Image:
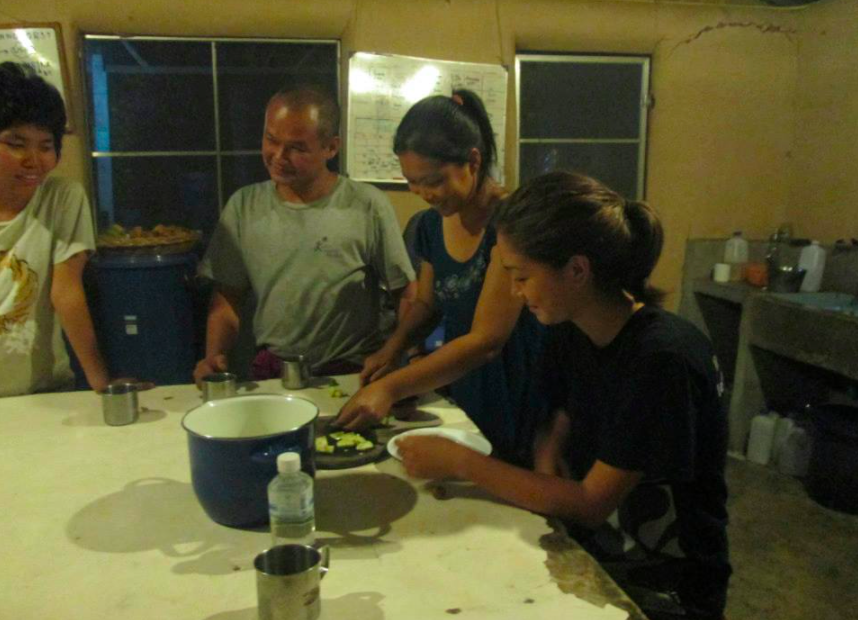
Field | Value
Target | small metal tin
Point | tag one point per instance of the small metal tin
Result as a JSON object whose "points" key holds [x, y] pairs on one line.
{"points": [[219, 385], [296, 372], [119, 404]]}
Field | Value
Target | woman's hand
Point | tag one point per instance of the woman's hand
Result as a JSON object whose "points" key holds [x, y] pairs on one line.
{"points": [[368, 406], [550, 447], [548, 458], [432, 457], [378, 364]]}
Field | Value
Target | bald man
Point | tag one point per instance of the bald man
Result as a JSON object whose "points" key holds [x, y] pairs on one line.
{"points": [[312, 246]]}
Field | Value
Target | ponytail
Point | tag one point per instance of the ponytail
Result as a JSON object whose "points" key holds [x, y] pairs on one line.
{"points": [[447, 129], [561, 214], [647, 240], [473, 106]]}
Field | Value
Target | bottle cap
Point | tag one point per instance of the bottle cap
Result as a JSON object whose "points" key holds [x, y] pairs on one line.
{"points": [[288, 462]]}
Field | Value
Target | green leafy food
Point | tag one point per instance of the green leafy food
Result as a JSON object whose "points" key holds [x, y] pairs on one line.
{"points": [[343, 442]]}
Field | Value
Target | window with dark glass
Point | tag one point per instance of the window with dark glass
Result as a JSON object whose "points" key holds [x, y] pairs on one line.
{"points": [[175, 124], [585, 113]]}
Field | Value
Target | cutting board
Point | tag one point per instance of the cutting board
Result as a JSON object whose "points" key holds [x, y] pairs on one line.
{"points": [[402, 420]]}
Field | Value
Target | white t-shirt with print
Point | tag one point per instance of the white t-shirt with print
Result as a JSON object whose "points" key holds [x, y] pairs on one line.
{"points": [[54, 226]]}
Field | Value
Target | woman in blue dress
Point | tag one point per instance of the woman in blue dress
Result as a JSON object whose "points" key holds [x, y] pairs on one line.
{"points": [[446, 149]]}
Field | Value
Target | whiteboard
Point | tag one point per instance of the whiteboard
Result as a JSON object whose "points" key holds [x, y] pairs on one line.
{"points": [[40, 47], [383, 87]]}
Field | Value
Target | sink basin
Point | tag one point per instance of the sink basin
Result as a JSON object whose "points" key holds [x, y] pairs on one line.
{"points": [[825, 300]]}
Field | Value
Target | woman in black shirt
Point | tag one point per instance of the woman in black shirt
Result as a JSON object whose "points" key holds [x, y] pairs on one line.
{"points": [[633, 456]]}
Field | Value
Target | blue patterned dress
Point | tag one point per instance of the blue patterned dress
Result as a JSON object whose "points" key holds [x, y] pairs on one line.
{"points": [[500, 396]]}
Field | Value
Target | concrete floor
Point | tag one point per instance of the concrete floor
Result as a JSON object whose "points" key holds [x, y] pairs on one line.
{"points": [[792, 559]]}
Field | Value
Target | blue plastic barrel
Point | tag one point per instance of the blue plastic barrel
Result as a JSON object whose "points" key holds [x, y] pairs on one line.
{"points": [[144, 315]]}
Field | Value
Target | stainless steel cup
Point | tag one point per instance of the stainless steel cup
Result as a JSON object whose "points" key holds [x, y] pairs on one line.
{"points": [[119, 404], [296, 372], [219, 385], [287, 582]]}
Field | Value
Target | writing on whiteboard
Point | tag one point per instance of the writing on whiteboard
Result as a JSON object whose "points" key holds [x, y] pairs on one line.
{"points": [[383, 87]]}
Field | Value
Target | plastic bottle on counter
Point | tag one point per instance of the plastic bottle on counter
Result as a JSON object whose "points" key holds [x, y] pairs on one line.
{"points": [[736, 255], [291, 507], [762, 438], [794, 456], [783, 427], [812, 258]]}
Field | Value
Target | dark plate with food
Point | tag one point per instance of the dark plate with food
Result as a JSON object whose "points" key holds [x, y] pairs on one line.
{"points": [[337, 448]]}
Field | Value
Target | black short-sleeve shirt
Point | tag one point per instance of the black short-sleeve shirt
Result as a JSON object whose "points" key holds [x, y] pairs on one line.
{"points": [[650, 401]]}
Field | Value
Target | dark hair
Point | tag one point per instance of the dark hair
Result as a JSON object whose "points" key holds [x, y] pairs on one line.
{"points": [[304, 96], [27, 99], [441, 128], [558, 215]]}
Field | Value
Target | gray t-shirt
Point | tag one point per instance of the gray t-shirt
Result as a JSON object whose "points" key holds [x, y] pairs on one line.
{"points": [[315, 269]]}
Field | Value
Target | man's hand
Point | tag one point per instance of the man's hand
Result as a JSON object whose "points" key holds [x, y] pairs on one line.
{"points": [[368, 406], [431, 457], [98, 381], [209, 365]]}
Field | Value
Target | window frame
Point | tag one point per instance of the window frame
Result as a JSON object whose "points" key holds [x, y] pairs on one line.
{"points": [[218, 153], [645, 62]]}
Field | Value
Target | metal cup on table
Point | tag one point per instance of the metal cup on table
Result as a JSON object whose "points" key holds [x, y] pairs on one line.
{"points": [[296, 372], [119, 404], [287, 582], [219, 385]]}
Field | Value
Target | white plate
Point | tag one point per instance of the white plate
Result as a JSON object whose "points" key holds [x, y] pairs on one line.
{"points": [[470, 440]]}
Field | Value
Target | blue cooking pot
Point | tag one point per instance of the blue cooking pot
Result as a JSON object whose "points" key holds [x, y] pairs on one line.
{"points": [[233, 445]]}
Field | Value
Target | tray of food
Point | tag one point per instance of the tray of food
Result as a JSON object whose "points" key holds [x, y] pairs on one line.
{"points": [[336, 448], [339, 449], [160, 239]]}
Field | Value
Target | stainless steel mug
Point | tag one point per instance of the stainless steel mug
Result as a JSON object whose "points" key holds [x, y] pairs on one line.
{"points": [[287, 582], [219, 385], [296, 372], [119, 404]]}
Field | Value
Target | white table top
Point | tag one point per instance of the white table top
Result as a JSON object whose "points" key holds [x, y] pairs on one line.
{"points": [[102, 522]]}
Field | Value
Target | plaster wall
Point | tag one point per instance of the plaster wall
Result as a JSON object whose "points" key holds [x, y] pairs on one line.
{"points": [[824, 164], [722, 130]]}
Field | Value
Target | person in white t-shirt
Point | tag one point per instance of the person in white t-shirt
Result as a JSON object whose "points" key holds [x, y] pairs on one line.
{"points": [[46, 234]]}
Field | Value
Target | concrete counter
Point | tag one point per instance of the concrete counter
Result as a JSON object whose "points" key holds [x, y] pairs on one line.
{"points": [[102, 522]]}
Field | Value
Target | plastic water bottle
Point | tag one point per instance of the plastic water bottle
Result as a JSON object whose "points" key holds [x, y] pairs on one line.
{"points": [[795, 454], [812, 258], [783, 427], [736, 254], [291, 509], [762, 438]]}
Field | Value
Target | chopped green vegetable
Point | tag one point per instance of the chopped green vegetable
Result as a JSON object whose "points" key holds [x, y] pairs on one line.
{"points": [[322, 445], [343, 441]]}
